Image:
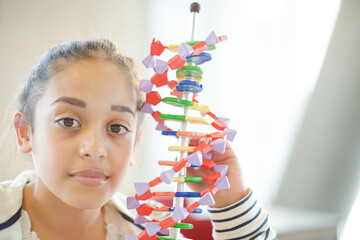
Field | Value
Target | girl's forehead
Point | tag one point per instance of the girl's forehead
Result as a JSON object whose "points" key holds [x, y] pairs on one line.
{"points": [[97, 81]]}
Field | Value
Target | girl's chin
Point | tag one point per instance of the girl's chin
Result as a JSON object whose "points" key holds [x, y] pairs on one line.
{"points": [[85, 198], [86, 204]]}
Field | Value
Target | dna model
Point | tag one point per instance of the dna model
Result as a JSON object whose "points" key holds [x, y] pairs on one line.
{"points": [[188, 56]]}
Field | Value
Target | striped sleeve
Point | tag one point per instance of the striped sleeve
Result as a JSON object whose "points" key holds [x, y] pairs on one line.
{"points": [[244, 219]]}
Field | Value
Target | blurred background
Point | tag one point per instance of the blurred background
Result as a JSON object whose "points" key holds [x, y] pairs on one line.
{"points": [[288, 78]]}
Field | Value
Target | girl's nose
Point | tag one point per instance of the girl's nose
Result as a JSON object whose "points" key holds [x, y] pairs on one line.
{"points": [[93, 148]]}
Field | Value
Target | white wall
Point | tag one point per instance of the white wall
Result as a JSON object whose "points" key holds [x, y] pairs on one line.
{"points": [[323, 171]]}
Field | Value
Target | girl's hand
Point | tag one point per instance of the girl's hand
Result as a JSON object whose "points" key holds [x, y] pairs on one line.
{"points": [[237, 189]]}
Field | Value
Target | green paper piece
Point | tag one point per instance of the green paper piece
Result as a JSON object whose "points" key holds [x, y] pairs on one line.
{"points": [[183, 226], [189, 71], [177, 102], [172, 117], [193, 179], [209, 47]]}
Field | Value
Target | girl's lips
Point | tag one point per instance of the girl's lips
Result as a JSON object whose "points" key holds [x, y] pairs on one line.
{"points": [[90, 177], [96, 173]]}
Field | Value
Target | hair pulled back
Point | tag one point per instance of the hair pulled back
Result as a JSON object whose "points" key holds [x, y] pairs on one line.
{"points": [[62, 55]]}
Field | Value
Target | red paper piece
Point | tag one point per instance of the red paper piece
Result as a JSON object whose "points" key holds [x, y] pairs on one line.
{"points": [[199, 48], [176, 93], [156, 116], [213, 189], [176, 62], [145, 196], [144, 209], [144, 236], [219, 125], [156, 48], [172, 83], [160, 79], [153, 98], [208, 164], [212, 177], [204, 148], [223, 38]]}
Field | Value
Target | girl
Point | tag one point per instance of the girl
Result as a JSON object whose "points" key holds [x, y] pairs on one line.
{"points": [[78, 117]]}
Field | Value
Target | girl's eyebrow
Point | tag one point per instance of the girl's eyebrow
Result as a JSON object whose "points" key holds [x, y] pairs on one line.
{"points": [[82, 104], [122, 108], [70, 100]]}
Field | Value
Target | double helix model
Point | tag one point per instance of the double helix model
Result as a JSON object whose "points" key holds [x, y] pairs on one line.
{"points": [[189, 55]]}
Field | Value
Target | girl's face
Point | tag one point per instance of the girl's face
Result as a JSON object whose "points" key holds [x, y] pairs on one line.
{"points": [[84, 121]]}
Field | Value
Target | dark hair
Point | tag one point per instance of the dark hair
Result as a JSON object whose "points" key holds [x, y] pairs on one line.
{"points": [[66, 53]]}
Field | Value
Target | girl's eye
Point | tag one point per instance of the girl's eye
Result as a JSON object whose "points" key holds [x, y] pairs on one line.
{"points": [[118, 129], [69, 123]]}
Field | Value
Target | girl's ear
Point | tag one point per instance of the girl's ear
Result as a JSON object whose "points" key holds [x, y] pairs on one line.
{"points": [[22, 132]]}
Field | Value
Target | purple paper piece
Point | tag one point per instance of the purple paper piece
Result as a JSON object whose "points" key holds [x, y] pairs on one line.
{"points": [[141, 188], [146, 108], [131, 237], [167, 176], [222, 183], [218, 145], [223, 169], [146, 86], [165, 232], [148, 61], [132, 203], [152, 228], [161, 127], [212, 39], [160, 66], [202, 114], [207, 199], [208, 155], [140, 219], [195, 158], [185, 49], [230, 134], [179, 213], [224, 120]]}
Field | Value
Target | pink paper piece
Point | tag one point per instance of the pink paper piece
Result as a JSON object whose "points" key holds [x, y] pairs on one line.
{"points": [[218, 145], [140, 219], [152, 228], [161, 127], [222, 183], [208, 155], [195, 158], [160, 66], [212, 39], [230, 134], [146, 108], [165, 232], [224, 120], [223, 169], [132, 203], [185, 49], [146, 86], [131, 237], [167, 176], [207, 199], [141, 188], [149, 61], [179, 213]]}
